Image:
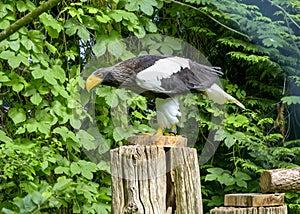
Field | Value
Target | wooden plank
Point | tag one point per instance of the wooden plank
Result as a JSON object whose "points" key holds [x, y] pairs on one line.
{"points": [[280, 180], [250, 210], [158, 140], [253, 199]]}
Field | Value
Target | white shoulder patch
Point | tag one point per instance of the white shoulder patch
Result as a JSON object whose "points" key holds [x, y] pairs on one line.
{"points": [[150, 78], [164, 68]]}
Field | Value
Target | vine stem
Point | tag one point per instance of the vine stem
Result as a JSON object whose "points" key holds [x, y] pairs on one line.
{"points": [[27, 19], [212, 18]]}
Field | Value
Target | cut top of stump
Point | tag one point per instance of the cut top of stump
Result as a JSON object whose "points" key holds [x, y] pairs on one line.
{"points": [[155, 140], [254, 200]]}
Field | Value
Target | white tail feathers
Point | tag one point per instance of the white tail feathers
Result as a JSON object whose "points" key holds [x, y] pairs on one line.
{"points": [[218, 95]]}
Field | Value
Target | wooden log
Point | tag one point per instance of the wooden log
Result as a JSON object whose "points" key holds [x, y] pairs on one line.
{"points": [[253, 200], [158, 140], [144, 177], [185, 176], [280, 180], [249, 210]]}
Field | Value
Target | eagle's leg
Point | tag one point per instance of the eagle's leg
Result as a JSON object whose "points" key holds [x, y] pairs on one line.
{"points": [[173, 130], [159, 131]]}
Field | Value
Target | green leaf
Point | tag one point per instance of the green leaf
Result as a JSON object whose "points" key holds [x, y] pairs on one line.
{"points": [[226, 179], [61, 170], [220, 135], [87, 168], [290, 100], [4, 138], [238, 120], [21, 6], [83, 33], [4, 24], [50, 77], [211, 177], [241, 183], [229, 140], [71, 26], [44, 127], [76, 123], [145, 6], [65, 133], [30, 5], [86, 140], [15, 45], [216, 170], [242, 176], [51, 48], [18, 115], [37, 72], [3, 77], [36, 99], [62, 184], [116, 48], [103, 18], [100, 47], [52, 26], [75, 168], [7, 55]]}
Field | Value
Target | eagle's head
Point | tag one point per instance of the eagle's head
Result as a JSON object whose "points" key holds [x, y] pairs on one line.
{"points": [[97, 77]]}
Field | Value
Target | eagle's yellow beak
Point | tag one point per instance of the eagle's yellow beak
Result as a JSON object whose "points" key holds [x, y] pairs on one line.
{"points": [[92, 81]]}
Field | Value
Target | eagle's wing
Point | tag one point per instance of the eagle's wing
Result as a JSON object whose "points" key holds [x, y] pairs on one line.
{"points": [[175, 75]]}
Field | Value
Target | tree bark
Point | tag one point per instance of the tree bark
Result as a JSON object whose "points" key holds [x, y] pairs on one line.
{"points": [[280, 180], [155, 179], [249, 210], [27, 19], [253, 200]]}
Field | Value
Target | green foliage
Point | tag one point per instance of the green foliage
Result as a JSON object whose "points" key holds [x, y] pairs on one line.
{"points": [[42, 142], [52, 151]]}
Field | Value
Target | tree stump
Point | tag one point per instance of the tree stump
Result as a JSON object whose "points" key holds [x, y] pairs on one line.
{"points": [[280, 180], [252, 203], [250, 210], [253, 200], [155, 179]]}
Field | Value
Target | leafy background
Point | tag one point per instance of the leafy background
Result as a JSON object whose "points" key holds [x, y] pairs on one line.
{"points": [[45, 167]]}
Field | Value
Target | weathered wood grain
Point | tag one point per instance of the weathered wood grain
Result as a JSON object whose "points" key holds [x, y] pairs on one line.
{"points": [[158, 140], [253, 200], [185, 176], [280, 180], [143, 178], [138, 179], [250, 210]]}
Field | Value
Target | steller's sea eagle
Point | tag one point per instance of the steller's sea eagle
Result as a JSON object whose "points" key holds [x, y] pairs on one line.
{"points": [[163, 78]]}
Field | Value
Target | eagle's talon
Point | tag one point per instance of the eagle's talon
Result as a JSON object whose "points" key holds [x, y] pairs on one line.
{"points": [[171, 133]]}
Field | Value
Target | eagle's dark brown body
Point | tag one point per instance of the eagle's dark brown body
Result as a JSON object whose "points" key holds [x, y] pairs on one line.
{"points": [[184, 80]]}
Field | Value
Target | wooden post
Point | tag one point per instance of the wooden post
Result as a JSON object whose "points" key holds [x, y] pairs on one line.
{"points": [[280, 180], [155, 179]]}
